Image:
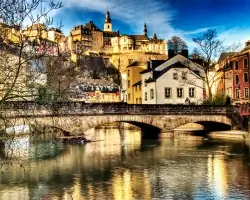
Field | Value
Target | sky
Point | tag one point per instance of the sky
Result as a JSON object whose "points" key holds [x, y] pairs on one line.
{"points": [[166, 18]]}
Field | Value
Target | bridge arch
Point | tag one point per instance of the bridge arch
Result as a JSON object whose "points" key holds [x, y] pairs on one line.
{"points": [[152, 123]]}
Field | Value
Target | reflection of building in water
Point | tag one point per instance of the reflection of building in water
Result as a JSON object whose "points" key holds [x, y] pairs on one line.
{"points": [[217, 175], [17, 148]]}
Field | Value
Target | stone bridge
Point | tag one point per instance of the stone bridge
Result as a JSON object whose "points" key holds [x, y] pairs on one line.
{"points": [[77, 117]]}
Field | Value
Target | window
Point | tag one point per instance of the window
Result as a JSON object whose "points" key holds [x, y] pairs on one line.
{"points": [[136, 88], [139, 100], [237, 93], [136, 100], [175, 76], [246, 77], [184, 75], [128, 83], [146, 96], [145, 84], [139, 87], [237, 79], [180, 92], [167, 93], [245, 63], [151, 93], [128, 73], [246, 93], [236, 65], [191, 92], [128, 97]]}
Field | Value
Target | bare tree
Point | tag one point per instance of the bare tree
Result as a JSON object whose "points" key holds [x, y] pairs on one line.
{"points": [[196, 54], [177, 44], [210, 48], [23, 24]]}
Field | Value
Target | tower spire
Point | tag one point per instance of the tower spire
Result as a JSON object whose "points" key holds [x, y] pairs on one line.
{"points": [[107, 19], [145, 31], [108, 22]]}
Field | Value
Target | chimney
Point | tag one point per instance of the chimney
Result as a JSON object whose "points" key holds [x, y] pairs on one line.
{"points": [[247, 43], [184, 52], [171, 53]]}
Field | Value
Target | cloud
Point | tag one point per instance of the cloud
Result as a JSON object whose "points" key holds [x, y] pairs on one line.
{"points": [[235, 35], [156, 14]]}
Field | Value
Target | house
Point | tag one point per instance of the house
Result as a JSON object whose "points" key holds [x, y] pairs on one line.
{"points": [[223, 79], [134, 82], [172, 82], [240, 76]]}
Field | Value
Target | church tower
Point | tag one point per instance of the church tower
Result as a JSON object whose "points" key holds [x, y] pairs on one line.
{"points": [[145, 31], [108, 23]]}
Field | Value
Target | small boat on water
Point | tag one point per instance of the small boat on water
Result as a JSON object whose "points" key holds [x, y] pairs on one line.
{"points": [[73, 139]]}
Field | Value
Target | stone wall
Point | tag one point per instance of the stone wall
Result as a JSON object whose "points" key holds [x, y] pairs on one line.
{"points": [[121, 61]]}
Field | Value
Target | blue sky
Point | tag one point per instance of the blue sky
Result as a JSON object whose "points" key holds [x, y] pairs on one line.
{"points": [[184, 18]]}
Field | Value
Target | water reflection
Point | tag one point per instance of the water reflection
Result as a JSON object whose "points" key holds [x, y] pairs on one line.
{"points": [[119, 165]]}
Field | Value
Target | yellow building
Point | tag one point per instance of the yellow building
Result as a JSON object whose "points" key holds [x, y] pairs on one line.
{"points": [[40, 31], [80, 39], [138, 43], [10, 33], [36, 31], [134, 94], [55, 35]]}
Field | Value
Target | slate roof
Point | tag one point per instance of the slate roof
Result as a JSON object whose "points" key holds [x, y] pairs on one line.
{"points": [[138, 83], [140, 37], [155, 63], [225, 55], [92, 26], [158, 74]]}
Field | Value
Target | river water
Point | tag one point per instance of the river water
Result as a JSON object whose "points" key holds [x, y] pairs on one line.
{"points": [[120, 165]]}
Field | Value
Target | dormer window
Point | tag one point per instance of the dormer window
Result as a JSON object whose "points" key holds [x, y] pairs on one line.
{"points": [[184, 75], [175, 76]]}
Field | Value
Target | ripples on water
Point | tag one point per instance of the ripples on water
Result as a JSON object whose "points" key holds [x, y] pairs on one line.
{"points": [[122, 166]]}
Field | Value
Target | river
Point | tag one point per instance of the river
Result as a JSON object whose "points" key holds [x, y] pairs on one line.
{"points": [[122, 166]]}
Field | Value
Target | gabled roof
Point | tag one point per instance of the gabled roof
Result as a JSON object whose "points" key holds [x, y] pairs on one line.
{"points": [[179, 58], [154, 63], [158, 74], [225, 55], [92, 26], [140, 37]]}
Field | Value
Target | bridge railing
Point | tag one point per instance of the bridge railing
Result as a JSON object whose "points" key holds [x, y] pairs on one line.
{"points": [[81, 108]]}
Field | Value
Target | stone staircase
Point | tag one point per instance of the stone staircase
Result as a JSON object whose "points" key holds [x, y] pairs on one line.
{"points": [[238, 120]]}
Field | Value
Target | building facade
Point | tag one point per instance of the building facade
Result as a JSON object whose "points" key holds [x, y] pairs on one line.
{"points": [[133, 92], [173, 82]]}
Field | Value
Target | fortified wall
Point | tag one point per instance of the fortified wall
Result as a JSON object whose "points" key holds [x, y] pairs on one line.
{"points": [[122, 60]]}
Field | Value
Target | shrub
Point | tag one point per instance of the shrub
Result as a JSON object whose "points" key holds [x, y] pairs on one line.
{"points": [[217, 99]]}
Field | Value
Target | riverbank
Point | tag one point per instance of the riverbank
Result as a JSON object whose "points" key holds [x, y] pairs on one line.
{"points": [[190, 134], [232, 135]]}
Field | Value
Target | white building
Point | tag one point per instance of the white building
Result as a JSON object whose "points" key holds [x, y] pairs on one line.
{"points": [[173, 82]]}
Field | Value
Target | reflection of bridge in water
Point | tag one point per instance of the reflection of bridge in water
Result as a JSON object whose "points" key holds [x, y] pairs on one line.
{"points": [[77, 117], [82, 169]]}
